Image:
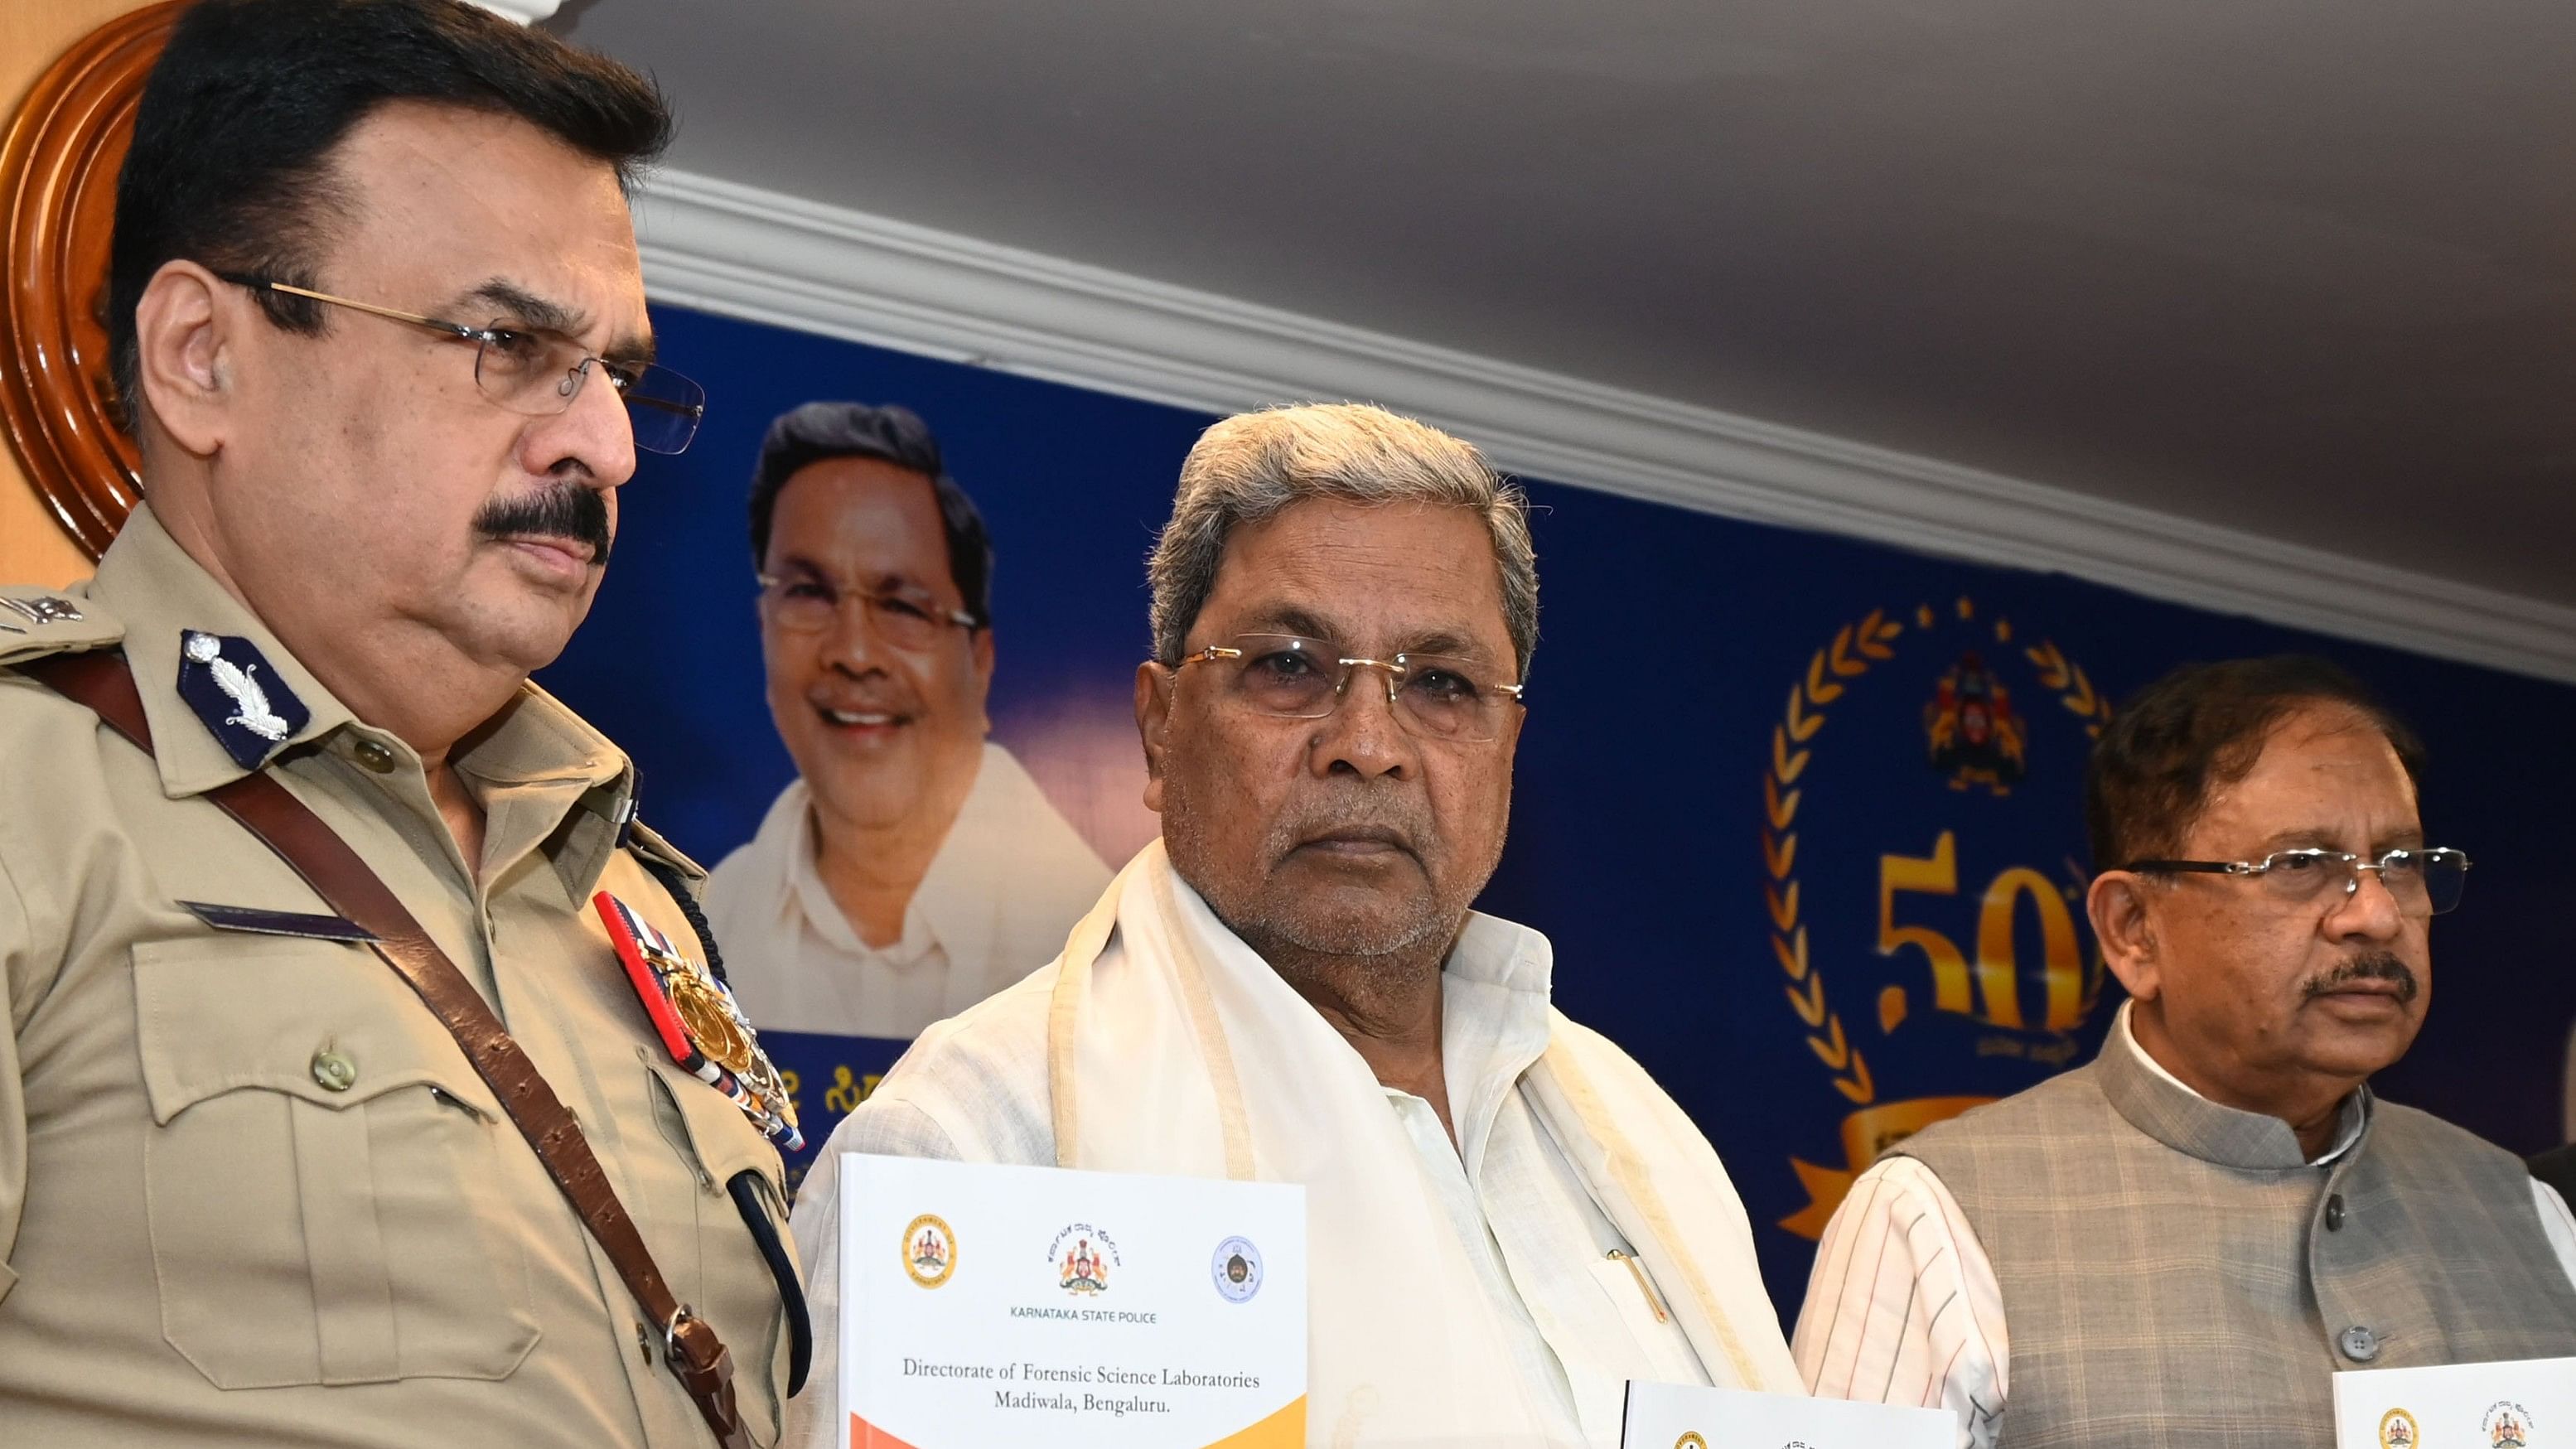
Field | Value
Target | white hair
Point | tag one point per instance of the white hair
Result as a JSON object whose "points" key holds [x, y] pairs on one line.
{"points": [[1251, 466]]}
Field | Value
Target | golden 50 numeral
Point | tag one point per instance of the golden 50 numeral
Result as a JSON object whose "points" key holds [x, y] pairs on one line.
{"points": [[1991, 992]]}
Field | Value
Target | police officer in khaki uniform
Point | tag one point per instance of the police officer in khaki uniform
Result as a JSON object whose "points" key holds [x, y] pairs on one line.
{"points": [[252, 1192]]}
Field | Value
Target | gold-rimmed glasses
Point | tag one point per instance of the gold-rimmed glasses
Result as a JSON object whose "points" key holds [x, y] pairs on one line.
{"points": [[536, 373], [906, 618], [1434, 696], [2425, 880]]}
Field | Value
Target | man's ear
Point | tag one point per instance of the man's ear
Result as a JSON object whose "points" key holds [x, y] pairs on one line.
{"points": [[184, 345], [1154, 684], [980, 652], [2122, 906]]}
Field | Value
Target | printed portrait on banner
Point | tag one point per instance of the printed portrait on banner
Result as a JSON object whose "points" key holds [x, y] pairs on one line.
{"points": [[913, 868], [913, 864]]}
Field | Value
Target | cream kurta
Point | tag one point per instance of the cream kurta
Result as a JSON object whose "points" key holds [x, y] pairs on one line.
{"points": [[1532, 1324], [1008, 881], [208, 1238]]}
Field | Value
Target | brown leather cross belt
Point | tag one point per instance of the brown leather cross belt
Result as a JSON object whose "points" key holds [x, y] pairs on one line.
{"points": [[104, 682]]}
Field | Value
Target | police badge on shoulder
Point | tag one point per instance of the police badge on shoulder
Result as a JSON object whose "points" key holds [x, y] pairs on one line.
{"points": [[698, 1022]]}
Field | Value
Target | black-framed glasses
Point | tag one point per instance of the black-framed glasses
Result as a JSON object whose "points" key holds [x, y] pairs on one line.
{"points": [[906, 618], [1291, 677], [537, 373], [2426, 880]]}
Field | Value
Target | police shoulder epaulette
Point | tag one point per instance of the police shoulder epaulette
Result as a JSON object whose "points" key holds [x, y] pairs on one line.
{"points": [[36, 622], [684, 878], [650, 844]]}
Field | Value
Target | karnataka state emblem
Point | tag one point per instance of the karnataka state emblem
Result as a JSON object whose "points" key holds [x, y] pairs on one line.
{"points": [[929, 1251], [1928, 923], [1083, 1256], [700, 1026], [2397, 1430], [1975, 740], [2507, 1426], [1690, 1439]]}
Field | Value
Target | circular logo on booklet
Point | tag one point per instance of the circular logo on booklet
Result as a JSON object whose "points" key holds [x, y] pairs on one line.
{"points": [[2507, 1425], [2397, 1430], [929, 1251], [1690, 1440], [1236, 1269]]}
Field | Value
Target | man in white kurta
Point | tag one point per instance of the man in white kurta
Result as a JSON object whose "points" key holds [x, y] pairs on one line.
{"points": [[1009, 880], [1508, 1219]]}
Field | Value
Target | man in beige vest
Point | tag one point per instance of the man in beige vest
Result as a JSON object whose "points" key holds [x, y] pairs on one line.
{"points": [[2183, 1241], [1506, 1218], [380, 321]]}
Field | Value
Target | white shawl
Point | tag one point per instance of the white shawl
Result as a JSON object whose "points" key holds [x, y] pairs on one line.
{"points": [[1173, 1048]]}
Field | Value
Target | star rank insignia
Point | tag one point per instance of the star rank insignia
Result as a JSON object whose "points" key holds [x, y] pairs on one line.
{"points": [[699, 1024], [238, 695]]}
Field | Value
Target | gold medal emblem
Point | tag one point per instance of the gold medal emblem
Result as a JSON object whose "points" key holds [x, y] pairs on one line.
{"points": [[709, 1019]]}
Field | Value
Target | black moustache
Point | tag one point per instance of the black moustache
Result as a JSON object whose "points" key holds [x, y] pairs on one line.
{"points": [[564, 511], [2371, 966]]}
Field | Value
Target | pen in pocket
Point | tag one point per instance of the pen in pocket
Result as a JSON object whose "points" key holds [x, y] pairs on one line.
{"points": [[1638, 1272]]}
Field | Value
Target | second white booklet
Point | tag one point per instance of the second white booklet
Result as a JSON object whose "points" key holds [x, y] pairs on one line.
{"points": [[988, 1305]]}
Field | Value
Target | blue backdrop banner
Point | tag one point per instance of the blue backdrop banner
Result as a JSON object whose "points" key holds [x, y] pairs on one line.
{"points": [[1801, 815]]}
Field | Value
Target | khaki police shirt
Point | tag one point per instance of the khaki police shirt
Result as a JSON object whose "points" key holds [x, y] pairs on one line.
{"points": [[251, 1192]]}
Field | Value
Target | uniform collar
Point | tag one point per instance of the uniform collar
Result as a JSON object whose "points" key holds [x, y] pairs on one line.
{"points": [[2160, 1104], [151, 585], [529, 766], [534, 765]]}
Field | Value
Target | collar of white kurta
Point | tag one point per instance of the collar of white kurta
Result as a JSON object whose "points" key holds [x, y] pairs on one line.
{"points": [[1173, 1048], [1003, 821], [791, 841]]}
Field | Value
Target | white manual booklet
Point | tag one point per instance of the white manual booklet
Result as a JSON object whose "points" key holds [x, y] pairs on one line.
{"points": [[1681, 1416], [985, 1305], [2518, 1404]]}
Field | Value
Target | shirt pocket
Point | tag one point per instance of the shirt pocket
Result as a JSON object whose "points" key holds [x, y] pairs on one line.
{"points": [[324, 1181], [1638, 1303], [1599, 1370], [726, 1279]]}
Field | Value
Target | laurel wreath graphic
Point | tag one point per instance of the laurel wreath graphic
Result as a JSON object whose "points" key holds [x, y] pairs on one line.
{"points": [[2075, 691], [1854, 649], [1805, 718]]}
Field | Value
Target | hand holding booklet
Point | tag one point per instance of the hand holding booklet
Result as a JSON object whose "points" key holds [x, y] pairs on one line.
{"points": [[987, 1305]]}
